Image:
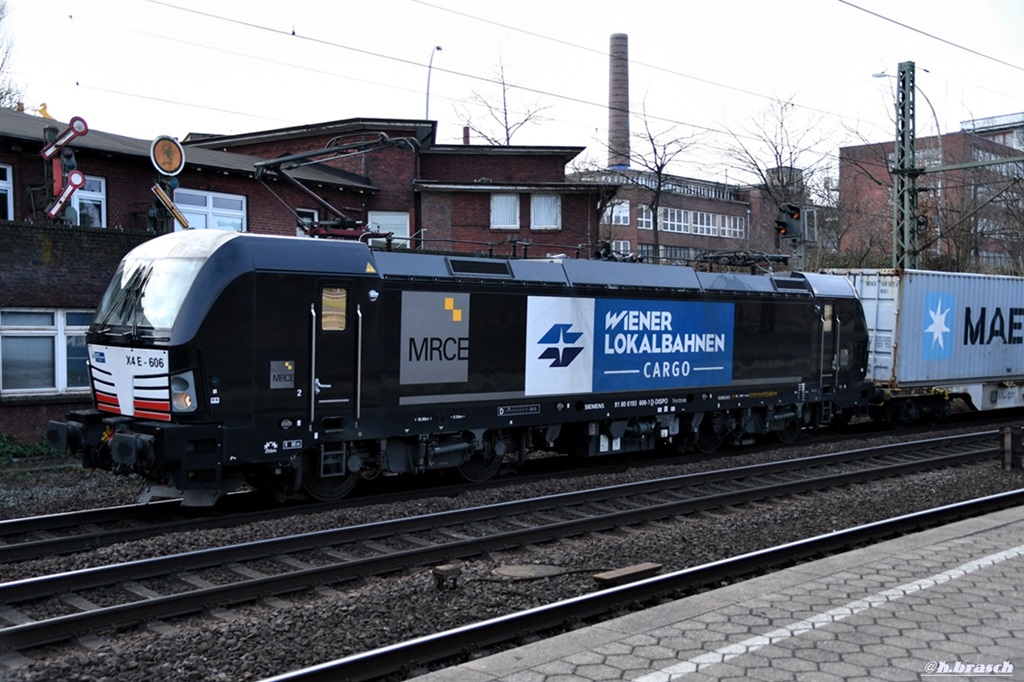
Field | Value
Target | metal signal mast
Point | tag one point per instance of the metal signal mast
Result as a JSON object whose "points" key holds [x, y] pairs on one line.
{"points": [[904, 175]]}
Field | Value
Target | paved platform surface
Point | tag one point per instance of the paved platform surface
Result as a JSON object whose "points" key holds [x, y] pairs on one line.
{"points": [[942, 604]]}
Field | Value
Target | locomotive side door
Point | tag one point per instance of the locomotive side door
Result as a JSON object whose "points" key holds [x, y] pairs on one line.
{"points": [[335, 345], [829, 348]]}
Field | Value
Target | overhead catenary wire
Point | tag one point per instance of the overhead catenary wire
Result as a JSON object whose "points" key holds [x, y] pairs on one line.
{"points": [[597, 102]]}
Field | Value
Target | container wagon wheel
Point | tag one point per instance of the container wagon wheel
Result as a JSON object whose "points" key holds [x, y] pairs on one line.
{"points": [[840, 418], [325, 489]]}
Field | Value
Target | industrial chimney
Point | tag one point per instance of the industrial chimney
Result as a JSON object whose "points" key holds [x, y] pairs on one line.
{"points": [[618, 102]]}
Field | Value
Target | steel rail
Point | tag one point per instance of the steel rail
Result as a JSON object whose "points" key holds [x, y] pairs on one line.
{"points": [[68, 543], [46, 631], [457, 642]]}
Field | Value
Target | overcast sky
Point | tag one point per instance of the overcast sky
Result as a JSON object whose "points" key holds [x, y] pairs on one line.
{"points": [[713, 67]]}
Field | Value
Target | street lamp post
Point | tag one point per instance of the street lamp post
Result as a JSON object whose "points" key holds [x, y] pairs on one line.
{"points": [[430, 67]]}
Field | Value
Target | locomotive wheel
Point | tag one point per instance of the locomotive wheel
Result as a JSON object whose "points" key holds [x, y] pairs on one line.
{"points": [[480, 469], [276, 487], [329, 489], [790, 433], [707, 440]]}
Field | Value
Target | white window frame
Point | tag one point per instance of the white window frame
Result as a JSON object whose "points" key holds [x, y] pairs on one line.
{"points": [[396, 222], [7, 189], [734, 227], [502, 204], [86, 194], [59, 332], [644, 217], [674, 220], [307, 217], [545, 212], [617, 213], [705, 223], [621, 247], [209, 211]]}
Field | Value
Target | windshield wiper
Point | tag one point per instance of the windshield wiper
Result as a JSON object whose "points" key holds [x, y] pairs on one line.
{"points": [[126, 297], [136, 295]]}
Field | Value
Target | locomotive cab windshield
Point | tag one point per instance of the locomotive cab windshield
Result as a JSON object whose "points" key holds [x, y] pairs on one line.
{"points": [[145, 295]]}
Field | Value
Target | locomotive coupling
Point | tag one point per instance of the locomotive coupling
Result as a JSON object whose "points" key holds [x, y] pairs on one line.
{"points": [[129, 449], [66, 436]]}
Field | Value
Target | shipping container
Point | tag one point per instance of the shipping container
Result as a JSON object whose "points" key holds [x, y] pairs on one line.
{"points": [[941, 335]]}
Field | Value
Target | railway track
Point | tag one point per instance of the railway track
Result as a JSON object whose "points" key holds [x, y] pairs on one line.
{"points": [[50, 535], [450, 647], [53, 608]]}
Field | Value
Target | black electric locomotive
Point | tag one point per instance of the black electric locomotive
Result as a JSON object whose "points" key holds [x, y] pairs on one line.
{"points": [[300, 365]]}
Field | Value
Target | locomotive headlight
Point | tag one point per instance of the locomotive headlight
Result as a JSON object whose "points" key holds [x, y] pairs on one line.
{"points": [[183, 392]]}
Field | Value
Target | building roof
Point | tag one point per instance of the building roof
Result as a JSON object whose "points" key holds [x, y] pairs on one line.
{"points": [[423, 131], [537, 187], [567, 153], [21, 126]]}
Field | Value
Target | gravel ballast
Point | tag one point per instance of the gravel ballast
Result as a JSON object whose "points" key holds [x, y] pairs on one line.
{"points": [[258, 640]]}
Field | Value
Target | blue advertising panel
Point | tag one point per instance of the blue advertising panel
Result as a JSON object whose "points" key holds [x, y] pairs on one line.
{"points": [[576, 345], [661, 344]]}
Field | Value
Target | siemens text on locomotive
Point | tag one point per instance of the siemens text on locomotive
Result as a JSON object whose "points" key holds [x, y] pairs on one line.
{"points": [[299, 365]]}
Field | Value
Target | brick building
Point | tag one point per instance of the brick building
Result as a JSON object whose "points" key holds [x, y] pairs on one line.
{"points": [[699, 220], [969, 217], [385, 178]]}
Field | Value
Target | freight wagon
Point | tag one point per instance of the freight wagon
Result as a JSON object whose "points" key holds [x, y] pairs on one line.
{"points": [[939, 336]]}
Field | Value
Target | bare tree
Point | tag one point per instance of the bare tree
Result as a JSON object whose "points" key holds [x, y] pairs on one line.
{"points": [[785, 154], [499, 114], [10, 94], [780, 151], [975, 224], [651, 154]]}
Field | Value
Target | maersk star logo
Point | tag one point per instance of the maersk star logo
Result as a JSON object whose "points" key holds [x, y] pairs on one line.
{"points": [[938, 326], [559, 340], [937, 341]]}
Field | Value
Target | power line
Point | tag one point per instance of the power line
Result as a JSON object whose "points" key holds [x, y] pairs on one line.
{"points": [[933, 36], [482, 79]]}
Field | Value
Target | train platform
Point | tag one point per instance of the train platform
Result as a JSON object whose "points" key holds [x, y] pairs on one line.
{"points": [[942, 604]]}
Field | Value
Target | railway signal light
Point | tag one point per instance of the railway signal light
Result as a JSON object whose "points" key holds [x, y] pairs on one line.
{"points": [[788, 222]]}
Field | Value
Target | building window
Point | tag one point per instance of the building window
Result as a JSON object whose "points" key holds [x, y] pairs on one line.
{"points": [[504, 211], [620, 247], [676, 254], [674, 220], [705, 224], [6, 192], [395, 223], [211, 210], [644, 218], [43, 351], [90, 202], [616, 214], [734, 227], [306, 218], [545, 212]]}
